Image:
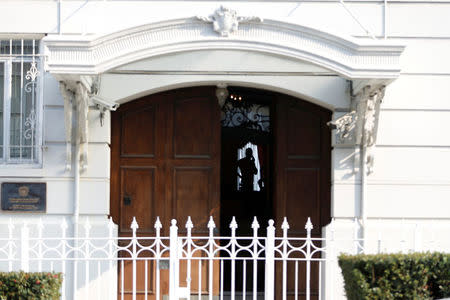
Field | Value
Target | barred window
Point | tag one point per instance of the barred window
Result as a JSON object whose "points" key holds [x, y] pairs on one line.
{"points": [[19, 101]]}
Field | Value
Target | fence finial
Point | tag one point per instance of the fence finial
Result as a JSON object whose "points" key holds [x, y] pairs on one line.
{"points": [[173, 223], [158, 224], [255, 227], [40, 224], [10, 224], [285, 227], [309, 226], [134, 225], [332, 228], [189, 224], [233, 224], [255, 224], [332, 224], [110, 229], [64, 225], [87, 226], [211, 226], [110, 223]]}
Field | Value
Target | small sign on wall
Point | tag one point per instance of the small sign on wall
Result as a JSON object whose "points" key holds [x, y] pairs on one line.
{"points": [[24, 196]]}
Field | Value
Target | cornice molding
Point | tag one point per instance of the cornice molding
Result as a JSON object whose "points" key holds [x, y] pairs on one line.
{"points": [[348, 57]]}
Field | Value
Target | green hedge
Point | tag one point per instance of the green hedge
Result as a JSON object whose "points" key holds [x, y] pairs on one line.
{"points": [[396, 276], [21, 286]]}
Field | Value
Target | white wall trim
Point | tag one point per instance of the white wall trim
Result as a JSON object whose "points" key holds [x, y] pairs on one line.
{"points": [[348, 57]]}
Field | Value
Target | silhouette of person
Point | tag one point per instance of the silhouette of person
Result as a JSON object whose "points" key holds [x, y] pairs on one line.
{"points": [[248, 170]]}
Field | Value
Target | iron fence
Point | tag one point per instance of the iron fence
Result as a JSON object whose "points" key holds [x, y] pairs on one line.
{"points": [[99, 264]]}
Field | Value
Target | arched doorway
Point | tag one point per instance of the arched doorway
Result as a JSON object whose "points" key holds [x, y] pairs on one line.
{"points": [[167, 150]]}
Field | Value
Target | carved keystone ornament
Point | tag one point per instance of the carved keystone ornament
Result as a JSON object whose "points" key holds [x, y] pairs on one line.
{"points": [[226, 21]]}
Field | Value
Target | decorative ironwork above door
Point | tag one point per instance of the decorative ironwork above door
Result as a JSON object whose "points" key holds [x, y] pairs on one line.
{"points": [[241, 113]]}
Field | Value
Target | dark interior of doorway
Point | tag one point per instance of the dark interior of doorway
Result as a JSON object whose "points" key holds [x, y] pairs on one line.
{"points": [[246, 118]]}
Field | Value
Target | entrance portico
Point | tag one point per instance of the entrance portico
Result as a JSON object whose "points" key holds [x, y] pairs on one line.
{"points": [[344, 75]]}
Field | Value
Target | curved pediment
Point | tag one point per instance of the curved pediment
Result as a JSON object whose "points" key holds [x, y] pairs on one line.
{"points": [[347, 57]]}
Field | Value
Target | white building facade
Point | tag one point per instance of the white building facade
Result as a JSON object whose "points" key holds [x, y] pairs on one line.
{"points": [[380, 68]]}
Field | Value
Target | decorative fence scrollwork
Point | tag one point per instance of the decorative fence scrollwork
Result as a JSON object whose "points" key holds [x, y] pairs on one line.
{"points": [[98, 264]]}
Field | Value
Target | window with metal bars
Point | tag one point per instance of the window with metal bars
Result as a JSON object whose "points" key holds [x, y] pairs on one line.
{"points": [[20, 100]]}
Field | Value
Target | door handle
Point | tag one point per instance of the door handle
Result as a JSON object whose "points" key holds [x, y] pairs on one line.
{"points": [[126, 200]]}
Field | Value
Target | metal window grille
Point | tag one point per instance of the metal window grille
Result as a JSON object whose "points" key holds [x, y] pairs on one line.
{"points": [[20, 98]]}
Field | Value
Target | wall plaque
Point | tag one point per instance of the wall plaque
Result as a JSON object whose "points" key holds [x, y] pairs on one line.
{"points": [[24, 196]]}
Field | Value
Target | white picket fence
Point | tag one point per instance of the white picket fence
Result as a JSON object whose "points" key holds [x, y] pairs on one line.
{"points": [[100, 265]]}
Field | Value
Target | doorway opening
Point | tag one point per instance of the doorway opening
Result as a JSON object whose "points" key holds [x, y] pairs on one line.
{"points": [[246, 172], [271, 160]]}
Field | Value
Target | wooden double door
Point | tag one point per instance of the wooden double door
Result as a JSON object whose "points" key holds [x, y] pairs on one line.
{"points": [[166, 158]]}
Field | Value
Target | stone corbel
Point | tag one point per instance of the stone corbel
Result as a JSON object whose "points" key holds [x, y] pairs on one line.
{"points": [[82, 102], [68, 96], [359, 106], [76, 94], [359, 127], [367, 104], [371, 125], [81, 92]]}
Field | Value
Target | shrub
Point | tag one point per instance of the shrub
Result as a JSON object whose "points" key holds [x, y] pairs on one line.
{"points": [[21, 285], [396, 276]]}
